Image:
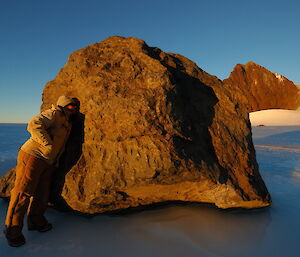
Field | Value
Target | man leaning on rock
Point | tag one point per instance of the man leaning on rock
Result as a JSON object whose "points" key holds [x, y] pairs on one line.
{"points": [[36, 161]]}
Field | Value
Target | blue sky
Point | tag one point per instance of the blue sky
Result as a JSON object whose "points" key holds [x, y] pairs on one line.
{"points": [[36, 38]]}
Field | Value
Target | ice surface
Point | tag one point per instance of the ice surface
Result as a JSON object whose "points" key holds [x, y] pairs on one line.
{"points": [[12, 136], [277, 136], [185, 230]]}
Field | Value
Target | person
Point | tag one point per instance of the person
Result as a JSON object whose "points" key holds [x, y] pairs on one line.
{"points": [[36, 161]]}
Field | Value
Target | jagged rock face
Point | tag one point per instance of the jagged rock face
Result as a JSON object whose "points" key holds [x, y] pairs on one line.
{"points": [[264, 89], [154, 128]]}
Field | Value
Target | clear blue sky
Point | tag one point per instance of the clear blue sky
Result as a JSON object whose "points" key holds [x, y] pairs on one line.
{"points": [[36, 38]]}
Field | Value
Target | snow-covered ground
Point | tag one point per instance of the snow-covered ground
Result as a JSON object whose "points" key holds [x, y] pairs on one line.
{"points": [[275, 117], [182, 230]]}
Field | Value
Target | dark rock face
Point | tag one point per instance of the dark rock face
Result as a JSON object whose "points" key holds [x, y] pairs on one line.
{"points": [[7, 183], [154, 128], [264, 89]]}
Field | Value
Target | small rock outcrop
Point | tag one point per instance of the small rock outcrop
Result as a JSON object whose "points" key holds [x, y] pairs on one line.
{"points": [[263, 88], [154, 128]]}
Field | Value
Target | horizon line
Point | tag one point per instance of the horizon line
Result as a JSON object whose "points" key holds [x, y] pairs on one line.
{"points": [[13, 122]]}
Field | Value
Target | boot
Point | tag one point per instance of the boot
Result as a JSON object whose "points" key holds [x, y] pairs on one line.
{"points": [[14, 236], [38, 223], [41, 228]]}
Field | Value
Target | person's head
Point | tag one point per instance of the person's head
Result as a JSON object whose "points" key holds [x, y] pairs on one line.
{"points": [[69, 105]]}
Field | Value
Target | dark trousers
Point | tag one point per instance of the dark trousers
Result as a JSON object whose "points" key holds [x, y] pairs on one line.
{"points": [[31, 191]]}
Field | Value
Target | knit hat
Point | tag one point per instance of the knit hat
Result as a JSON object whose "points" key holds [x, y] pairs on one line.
{"points": [[63, 101]]}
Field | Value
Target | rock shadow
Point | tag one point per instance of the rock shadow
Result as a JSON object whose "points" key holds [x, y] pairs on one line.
{"points": [[192, 111], [69, 158]]}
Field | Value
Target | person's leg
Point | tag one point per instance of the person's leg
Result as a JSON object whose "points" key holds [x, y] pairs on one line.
{"points": [[17, 197], [38, 203], [28, 170]]}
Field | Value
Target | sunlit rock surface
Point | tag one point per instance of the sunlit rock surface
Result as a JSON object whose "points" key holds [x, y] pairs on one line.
{"points": [[263, 88], [154, 128]]}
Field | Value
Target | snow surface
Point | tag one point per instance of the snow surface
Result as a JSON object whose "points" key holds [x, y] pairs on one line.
{"points": [[279, 77], [185, 230], [275, 117]]}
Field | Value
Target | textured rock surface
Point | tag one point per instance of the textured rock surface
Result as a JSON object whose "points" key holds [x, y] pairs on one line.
{"points": [[7, 182], [154, 128], [263, 88]]}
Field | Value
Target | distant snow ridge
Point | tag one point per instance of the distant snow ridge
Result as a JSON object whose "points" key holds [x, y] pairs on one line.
{"points": [[275, 117]]}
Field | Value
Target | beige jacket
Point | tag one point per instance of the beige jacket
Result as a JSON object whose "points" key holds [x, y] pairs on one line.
{"points": [[49, 133]]}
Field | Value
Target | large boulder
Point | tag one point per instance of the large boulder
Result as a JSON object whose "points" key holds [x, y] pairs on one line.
{"points": [[263, 88], [154, 128]]}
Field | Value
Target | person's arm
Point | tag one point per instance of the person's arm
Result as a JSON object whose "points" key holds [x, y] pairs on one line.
{"points": [[38, 126]]}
